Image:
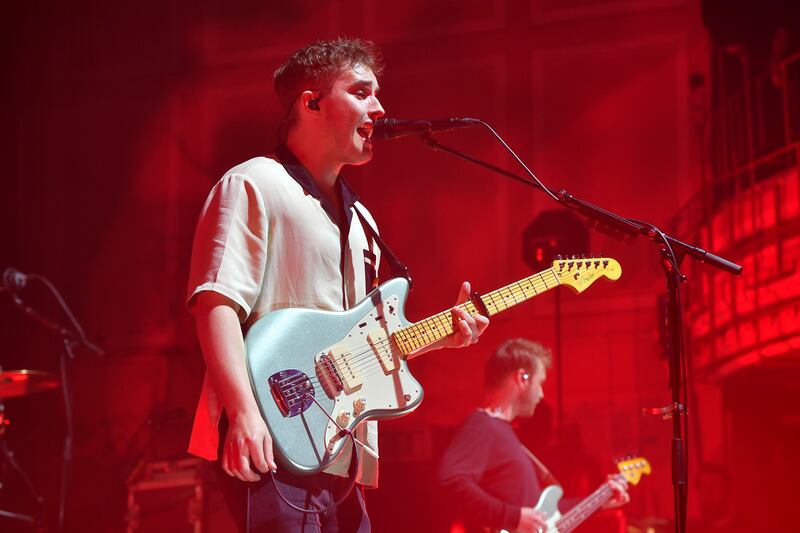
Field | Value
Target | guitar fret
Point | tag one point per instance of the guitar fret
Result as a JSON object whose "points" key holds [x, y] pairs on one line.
{"points": [[436, 326], [506, 297], [543, 281], [447, 318], [442, 325], [511, 294], [584, 509], [502, 302], [532, 286], [493, 303], [433, 328], [408, 341], [413, 337], [507, 294], [422, 328], [522, 291], [398, 339], [446, 322]]}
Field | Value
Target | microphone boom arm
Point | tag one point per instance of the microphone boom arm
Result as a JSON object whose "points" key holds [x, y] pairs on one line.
{"points": [[624, 225]]}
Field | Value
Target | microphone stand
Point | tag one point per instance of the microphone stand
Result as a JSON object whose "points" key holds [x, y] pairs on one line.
{"points": [[71, 339], [671, 254]]}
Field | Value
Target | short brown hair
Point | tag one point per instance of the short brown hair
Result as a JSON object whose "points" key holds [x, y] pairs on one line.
{"points": [[513, 355], [315, 66]]}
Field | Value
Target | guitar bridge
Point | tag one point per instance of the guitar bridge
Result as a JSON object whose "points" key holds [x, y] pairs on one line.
{"points": [[292, 391]]}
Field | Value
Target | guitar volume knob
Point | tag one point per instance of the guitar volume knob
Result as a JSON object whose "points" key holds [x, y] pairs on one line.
{"points": [[359, 405]]}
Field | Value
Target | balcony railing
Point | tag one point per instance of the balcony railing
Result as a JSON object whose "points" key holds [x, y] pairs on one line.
{"points": [[748, 209]]}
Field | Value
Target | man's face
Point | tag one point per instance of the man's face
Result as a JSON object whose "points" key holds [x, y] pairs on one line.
{"points": [[532, 391], [349, 112]]}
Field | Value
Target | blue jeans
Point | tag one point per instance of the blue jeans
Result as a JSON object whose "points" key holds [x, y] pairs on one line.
{"points": [[257, 507]]}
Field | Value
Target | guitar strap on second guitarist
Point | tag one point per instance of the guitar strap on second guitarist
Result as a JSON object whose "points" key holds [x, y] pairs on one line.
{"points": [[545, 476], [398, 269]]}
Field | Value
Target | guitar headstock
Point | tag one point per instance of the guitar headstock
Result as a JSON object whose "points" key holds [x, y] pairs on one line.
{"points": [[579, 273], [633, 468]]}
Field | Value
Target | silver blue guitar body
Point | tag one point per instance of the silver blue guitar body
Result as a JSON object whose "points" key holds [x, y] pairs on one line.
{"points": [[548, 506], [314, 372]]}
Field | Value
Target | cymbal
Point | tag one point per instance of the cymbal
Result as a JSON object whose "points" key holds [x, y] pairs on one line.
{"points": [[21, 382]]}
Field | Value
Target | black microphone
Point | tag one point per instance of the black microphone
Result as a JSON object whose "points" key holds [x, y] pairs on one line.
{"points": [[13, 280], [390, 128]]}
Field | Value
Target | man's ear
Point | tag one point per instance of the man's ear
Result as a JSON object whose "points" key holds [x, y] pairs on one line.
{"points": [[310, 100]]}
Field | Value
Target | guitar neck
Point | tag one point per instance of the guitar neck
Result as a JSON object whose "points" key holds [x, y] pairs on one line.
{"points": [[436, 327], [578, 514]]}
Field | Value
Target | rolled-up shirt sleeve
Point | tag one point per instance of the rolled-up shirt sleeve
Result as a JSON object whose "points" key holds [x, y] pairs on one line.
{"points": [[229, 252]]}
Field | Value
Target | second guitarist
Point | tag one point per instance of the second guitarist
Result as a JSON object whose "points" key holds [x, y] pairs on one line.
{"points": [[486, 470]]}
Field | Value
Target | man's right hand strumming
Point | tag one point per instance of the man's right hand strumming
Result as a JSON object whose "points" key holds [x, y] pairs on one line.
{"points": [[531, 521]]}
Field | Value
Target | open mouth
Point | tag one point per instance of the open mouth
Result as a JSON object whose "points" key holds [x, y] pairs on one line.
{"points": [[365, 132]]}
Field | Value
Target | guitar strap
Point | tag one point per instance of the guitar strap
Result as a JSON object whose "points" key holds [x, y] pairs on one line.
{"points": [[544, 474], [398, 269]]}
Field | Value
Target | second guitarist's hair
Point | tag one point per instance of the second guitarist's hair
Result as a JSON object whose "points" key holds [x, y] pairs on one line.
{"points": [[513, 355]]}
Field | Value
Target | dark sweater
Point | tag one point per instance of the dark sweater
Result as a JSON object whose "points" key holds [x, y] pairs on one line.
{"points": [[486, 474]]}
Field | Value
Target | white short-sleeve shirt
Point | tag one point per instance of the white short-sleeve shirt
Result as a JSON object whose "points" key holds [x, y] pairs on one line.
{"points": [[266, 239]]}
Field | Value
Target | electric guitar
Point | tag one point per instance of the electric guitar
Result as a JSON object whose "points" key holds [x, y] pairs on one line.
{"points": [[317, 373], [630, 470]]}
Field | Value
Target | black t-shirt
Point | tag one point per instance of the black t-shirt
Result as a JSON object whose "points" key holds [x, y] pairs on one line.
{"points": [[486, 473]]}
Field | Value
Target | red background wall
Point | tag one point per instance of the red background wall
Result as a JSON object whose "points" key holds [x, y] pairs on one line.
{"points": [[123, 116]]}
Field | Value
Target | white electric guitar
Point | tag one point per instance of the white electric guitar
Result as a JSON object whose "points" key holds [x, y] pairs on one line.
{"points": [[630, 470], [318, 373]]}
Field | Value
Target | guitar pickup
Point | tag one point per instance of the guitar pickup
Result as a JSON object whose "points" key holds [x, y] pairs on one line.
{"points": [[347, 368], [328, 376], [382, 348]]}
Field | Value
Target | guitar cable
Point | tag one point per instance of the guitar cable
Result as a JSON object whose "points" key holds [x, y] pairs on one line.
{"points": [[353, 467]]}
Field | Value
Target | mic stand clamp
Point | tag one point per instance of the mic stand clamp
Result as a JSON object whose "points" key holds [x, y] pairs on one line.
{"points": [[665, 412]]}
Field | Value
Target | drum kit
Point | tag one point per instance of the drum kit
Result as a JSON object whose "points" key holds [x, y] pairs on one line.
{"points": [[13, 384]]}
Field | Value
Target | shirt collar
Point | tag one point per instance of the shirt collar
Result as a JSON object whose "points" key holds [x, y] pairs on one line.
{"points": [[302, 176]]}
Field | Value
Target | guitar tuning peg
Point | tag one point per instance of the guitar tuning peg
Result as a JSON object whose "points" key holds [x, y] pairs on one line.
{"points": [[558, 257]]}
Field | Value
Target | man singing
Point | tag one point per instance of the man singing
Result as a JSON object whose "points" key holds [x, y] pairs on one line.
{"points": [[286, 231]]}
